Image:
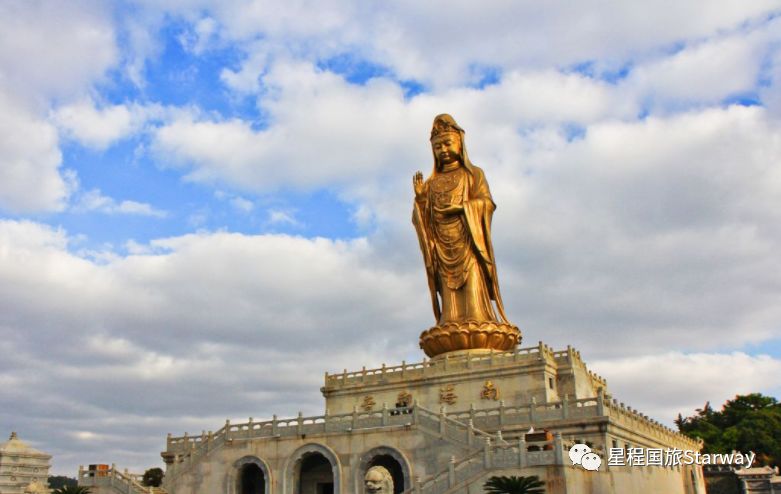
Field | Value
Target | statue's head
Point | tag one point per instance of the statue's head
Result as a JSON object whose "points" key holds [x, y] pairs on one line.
{"points": [[447, 142], [378, 480]]}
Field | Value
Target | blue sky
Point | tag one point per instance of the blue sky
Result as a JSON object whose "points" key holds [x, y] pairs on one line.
{"points": [[201, 191]]}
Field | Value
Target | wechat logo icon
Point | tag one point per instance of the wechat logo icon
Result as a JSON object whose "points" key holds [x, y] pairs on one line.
{"points": [[580, 454]]}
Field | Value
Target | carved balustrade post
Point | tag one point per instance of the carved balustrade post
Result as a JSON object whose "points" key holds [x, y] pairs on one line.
{"points": [[558, 448]]}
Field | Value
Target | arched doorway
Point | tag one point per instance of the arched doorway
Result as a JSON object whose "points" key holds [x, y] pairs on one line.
{"points": [[250, 475], [251, 480], [315, 475], [393, 461], [312, 469]]}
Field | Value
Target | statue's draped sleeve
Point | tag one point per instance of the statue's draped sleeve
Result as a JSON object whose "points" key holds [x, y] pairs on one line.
{"points": [[478, 211], [420, 218]]}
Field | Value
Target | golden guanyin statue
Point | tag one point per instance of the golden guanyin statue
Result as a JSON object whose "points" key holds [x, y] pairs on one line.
{"points": [[452, 216]]}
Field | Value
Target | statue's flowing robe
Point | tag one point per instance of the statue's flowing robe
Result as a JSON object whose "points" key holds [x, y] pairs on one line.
{"points": [[457, 247]]}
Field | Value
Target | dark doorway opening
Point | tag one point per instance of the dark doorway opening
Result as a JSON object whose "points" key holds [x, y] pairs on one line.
{"points": [[325, 488], [251, 480], [394, 468], [316, 475]]}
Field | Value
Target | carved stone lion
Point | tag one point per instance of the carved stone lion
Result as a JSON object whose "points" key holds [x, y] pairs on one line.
{"points": [[378, 480]]}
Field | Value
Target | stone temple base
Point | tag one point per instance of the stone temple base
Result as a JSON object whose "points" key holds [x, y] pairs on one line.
{"points": [[441, 426], [469, 335]]}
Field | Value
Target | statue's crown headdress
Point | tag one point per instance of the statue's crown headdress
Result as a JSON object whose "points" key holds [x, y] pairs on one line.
{"points": [[445, 124]]}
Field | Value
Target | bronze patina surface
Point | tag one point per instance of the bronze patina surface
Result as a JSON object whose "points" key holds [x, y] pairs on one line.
{"points": [[452, 216]]}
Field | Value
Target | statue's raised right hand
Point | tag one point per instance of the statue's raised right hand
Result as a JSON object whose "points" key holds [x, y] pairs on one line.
{"points": [[417, 183]]}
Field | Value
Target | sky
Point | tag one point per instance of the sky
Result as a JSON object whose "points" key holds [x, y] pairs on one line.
{"points": [[205, 205]]}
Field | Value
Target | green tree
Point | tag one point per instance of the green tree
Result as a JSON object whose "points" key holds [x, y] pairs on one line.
{"points": [[514, 485], [153, 477], [69, 489], [747, 423], [57, 481]]}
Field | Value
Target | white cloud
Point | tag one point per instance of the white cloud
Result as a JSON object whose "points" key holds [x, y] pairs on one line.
{"points": [[54, 49], [237, 202], [440, 43], [203, 311], [664, 385], [206, 310], [30, 159], [282, 217], [94, 200], [242, 204], [98, 128], [667, 226], [48, 50], [298, 150], [705, 72], [200, 36]]}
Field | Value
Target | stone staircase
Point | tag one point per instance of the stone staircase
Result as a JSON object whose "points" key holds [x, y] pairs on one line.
{"points": [[460, 473], [114, 481], [184, 452], [483, 451]]}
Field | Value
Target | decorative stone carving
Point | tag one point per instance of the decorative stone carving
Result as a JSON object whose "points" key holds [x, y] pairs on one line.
{"points": [[404, 399], [378, 480], [490, 391], [447, 394], [368, 403]]}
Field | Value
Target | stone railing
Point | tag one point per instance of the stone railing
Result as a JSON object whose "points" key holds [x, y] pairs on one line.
{"points": [[532, 413], [184, 451], [115, 481], [439, 365], [466, 428], [491, 419], [636, 421], [492, 457]]}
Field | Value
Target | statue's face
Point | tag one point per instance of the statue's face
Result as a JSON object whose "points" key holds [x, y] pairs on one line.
{"points": [[374, 482], [447, 148]]}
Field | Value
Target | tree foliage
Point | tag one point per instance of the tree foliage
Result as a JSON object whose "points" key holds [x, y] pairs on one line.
{"points": [[747, 423], [153, 477], [57, 481], [514, 485]]}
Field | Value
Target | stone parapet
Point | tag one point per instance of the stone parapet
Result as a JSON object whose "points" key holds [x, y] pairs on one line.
{"points": [[463, 379], [443, 365], [450, 421], [115, 481]]}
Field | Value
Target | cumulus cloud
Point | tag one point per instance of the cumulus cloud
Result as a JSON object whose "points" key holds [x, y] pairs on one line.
{"points": [[98, 128], [442, 44], [282, 217], [47, 50], [30, 159], [53, 49], [94, 200], [664, 385], [192, 312], [202, 312], [327, 131], [648, 232], [706, 71]]}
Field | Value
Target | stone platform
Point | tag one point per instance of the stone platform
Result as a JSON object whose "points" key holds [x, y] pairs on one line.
{"points": [[443, 425]]}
